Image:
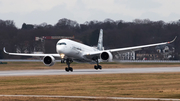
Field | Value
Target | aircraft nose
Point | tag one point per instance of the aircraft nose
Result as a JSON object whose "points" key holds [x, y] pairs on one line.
{"points": [[60, 49]]}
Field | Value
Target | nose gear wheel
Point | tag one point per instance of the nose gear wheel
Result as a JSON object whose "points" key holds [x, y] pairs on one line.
{"points": [[68, 62], [97, 66]]}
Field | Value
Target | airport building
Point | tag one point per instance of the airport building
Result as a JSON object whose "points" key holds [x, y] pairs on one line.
{"points": [[124, 56], [165, 52]]}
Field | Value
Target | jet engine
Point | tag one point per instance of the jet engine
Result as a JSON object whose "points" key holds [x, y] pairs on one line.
{"points": [[49, 60], [106, 56]]}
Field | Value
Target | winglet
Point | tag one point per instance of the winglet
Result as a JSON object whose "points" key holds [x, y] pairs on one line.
{"points": [[172, 40], [4, 49]]}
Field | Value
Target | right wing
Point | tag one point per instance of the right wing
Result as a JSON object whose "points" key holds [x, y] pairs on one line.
{"points": [[24, 54], [135, 48], [123, 50]]}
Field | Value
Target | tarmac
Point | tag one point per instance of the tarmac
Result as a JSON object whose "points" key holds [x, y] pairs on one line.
{"points": [[89, 71]]}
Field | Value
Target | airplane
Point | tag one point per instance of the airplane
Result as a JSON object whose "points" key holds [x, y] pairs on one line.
{"points": [[69, 51]]}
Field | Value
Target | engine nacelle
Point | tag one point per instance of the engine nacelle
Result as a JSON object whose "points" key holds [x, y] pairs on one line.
{"points": [[106, 56], [49, 60]]}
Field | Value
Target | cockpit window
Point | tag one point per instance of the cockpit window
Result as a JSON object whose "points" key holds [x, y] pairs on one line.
{"points": [[61, 43]]}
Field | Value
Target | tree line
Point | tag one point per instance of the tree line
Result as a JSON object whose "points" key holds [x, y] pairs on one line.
{"points": [[117, 34]]}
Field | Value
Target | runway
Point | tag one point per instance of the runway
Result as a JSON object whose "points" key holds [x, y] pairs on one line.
{"points": [[92, 97], [89, 71]]}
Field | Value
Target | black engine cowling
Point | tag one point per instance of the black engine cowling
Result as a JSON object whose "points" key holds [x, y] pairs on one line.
{"points": [[106, 56], [49, 60]]}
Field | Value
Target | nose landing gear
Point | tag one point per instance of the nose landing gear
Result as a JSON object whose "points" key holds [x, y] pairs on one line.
{"points": [[68, 62], [97, 66]]}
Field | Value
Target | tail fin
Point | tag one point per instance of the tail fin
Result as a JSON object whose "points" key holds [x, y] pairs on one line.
{"points": [[100, 41]]}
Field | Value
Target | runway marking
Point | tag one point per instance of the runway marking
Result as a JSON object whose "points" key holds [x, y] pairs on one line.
{"points": [[91, 97]]}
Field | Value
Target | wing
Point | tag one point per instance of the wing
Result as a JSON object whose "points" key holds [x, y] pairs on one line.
{"points": [[140, 47], [90, 55], [24, 54]]}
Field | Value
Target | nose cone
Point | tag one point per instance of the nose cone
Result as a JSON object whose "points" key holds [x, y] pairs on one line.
{"points": [[64, 46], [61, 46], [60, 49]]}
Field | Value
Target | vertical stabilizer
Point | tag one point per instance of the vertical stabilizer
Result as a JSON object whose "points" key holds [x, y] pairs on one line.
{"points": [[100, 41]]}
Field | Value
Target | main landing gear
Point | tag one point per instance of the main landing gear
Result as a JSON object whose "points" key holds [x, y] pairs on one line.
{"points": [[97, 66], [68, 62]]}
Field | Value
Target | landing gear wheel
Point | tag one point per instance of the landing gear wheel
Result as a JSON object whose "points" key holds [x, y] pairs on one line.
{"points": [[71, 69], [99, 67], [68, 62], [67, 69], [96, 67]]}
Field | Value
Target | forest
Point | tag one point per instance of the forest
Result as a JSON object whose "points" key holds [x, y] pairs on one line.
{"points": [[117, 34]]}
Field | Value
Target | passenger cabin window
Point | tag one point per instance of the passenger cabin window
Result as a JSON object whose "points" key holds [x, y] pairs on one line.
{"points": [[61, 44]]}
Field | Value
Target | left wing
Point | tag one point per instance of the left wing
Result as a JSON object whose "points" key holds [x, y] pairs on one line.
{"points": [[135, 48], [24, 54]]}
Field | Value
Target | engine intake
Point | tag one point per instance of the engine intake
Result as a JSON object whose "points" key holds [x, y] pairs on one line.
{"points": [[49, 60], [106, 56]]}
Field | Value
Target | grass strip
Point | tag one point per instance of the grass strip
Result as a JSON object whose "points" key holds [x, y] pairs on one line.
{"points": [[160, 85]]}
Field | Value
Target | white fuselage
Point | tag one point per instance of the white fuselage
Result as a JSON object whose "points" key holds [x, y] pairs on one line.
{"points": [[74, 50]]}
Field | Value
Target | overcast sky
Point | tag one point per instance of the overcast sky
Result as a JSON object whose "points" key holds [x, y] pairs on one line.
{"points": [[50, 11]]}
